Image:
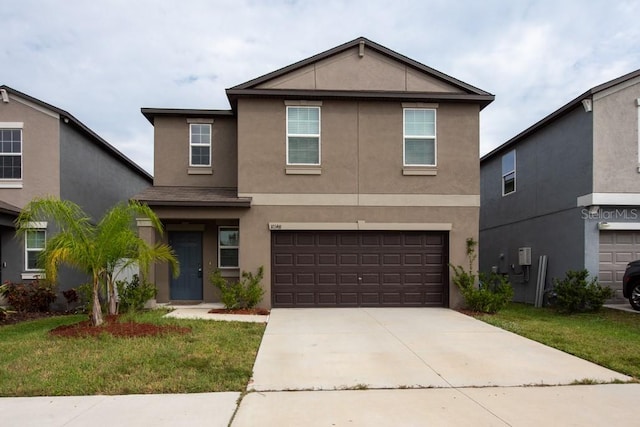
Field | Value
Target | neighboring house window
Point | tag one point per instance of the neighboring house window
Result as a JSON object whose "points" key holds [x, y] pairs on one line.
{"points": [[200, 143], [35, 240], [419, 137], [509, 173], [303, 135], [10, 153], [228, 244]]}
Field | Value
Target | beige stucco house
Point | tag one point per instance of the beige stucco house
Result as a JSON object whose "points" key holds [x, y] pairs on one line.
{"points": [[352, 177], [46, 151]]}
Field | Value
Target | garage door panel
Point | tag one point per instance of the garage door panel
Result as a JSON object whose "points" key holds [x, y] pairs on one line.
{"points": [[617, 249], [328, 260], [624, 257], [283, 259], [369, 298], [391, 259], [336, 268], [391, 278], [348, 259], [327, 279]]}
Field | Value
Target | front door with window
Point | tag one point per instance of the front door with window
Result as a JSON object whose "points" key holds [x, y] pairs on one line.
{"points": [[188, 248]]}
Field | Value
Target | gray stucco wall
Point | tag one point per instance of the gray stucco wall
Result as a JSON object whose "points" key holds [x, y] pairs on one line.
{"points": [[94, 179], [553, 168]]}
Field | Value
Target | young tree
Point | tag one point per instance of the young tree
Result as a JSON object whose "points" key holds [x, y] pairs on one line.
{"points": [[95, 249]]}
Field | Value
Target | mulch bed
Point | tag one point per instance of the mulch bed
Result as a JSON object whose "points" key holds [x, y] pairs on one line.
{"points": [[260, 311], [113, 327]]}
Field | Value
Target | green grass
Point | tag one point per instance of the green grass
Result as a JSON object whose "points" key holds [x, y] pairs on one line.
{"points": [[610, 338], [215, 356]]}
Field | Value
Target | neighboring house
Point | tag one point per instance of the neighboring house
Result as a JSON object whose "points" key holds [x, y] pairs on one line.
{"points": [[568, 187], [351, 176], [45, 151]]}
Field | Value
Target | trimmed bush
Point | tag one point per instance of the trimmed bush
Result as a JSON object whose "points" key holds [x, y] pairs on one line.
{"points": [[576, 293], [29, 297], [133, 295], [245, 293]]}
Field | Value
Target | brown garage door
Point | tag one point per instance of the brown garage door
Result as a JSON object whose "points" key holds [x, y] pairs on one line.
{"points": [[359, 268]]}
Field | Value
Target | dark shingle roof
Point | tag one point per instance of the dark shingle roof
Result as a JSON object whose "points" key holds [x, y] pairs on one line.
{"points": [[9, 209], [192, 196]]}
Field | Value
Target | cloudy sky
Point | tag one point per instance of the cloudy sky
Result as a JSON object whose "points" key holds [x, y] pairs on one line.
{"points": [[102, 60]]}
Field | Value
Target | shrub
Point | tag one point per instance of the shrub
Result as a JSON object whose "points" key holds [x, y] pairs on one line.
{"points": [[493, 291], [245, 293], [29, 297], [134, 294], [492, 294], [576, 293]]}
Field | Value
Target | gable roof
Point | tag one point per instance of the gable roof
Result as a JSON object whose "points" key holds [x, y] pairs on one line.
{"points": [[468, 93], [560, 112], [94, 137]]}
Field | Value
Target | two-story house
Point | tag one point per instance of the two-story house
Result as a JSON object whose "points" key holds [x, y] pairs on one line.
{"points": [[352, 177], [567, 188], [45, 151]]}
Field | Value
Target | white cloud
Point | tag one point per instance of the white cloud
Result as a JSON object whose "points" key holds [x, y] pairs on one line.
{"points": [[103, 60]]}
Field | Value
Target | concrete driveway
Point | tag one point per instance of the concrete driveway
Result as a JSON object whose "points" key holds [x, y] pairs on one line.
{"points": [[382, 348], [414, 367]]}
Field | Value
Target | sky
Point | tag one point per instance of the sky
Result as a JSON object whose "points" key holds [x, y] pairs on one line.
{"points": [[103, 60]]}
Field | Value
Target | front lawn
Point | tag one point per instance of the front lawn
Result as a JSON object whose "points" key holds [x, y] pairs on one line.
{"points": [[610, 338], [214, 356]]}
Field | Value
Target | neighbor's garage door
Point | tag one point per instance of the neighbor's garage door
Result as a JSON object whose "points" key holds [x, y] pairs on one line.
{"points": [[617, 248], [359, 268]]}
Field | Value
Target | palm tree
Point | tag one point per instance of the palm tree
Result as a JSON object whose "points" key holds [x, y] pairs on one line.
{"points": [[98, 250]]}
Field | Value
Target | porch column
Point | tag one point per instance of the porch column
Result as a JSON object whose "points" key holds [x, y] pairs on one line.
{"points": [[147, 233]]}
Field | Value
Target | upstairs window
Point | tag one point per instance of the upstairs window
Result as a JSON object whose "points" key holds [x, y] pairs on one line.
{"points": [[228, 245], [10, 153], [35, 240], [200, 144], [419, 137], [509, 173], [303, 135]]}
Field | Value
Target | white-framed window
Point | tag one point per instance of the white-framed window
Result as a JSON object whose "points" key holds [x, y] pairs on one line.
{"points": [[509, 173], [303, 135], [10, 154], [35, 241], [419, 146], [228, 244], [200, 144]]}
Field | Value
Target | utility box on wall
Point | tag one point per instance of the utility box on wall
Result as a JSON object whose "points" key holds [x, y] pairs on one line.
{"points": [[524, 256]]}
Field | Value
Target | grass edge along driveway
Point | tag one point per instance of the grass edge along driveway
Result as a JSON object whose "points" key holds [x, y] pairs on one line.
{"points": [[610, 338]]}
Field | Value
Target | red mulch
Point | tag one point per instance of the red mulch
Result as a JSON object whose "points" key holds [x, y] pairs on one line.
{"points": [[260, 311], [117, 329]]}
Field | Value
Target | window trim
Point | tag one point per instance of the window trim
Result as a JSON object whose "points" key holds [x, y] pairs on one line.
{"points": [[199, 144], [405, 137], [220, 247], [513, 171], [36, 226], [14, 182], [305, 135]]}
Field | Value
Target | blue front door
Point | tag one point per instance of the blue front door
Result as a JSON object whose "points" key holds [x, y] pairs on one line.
{"points": [[188, 248]]}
